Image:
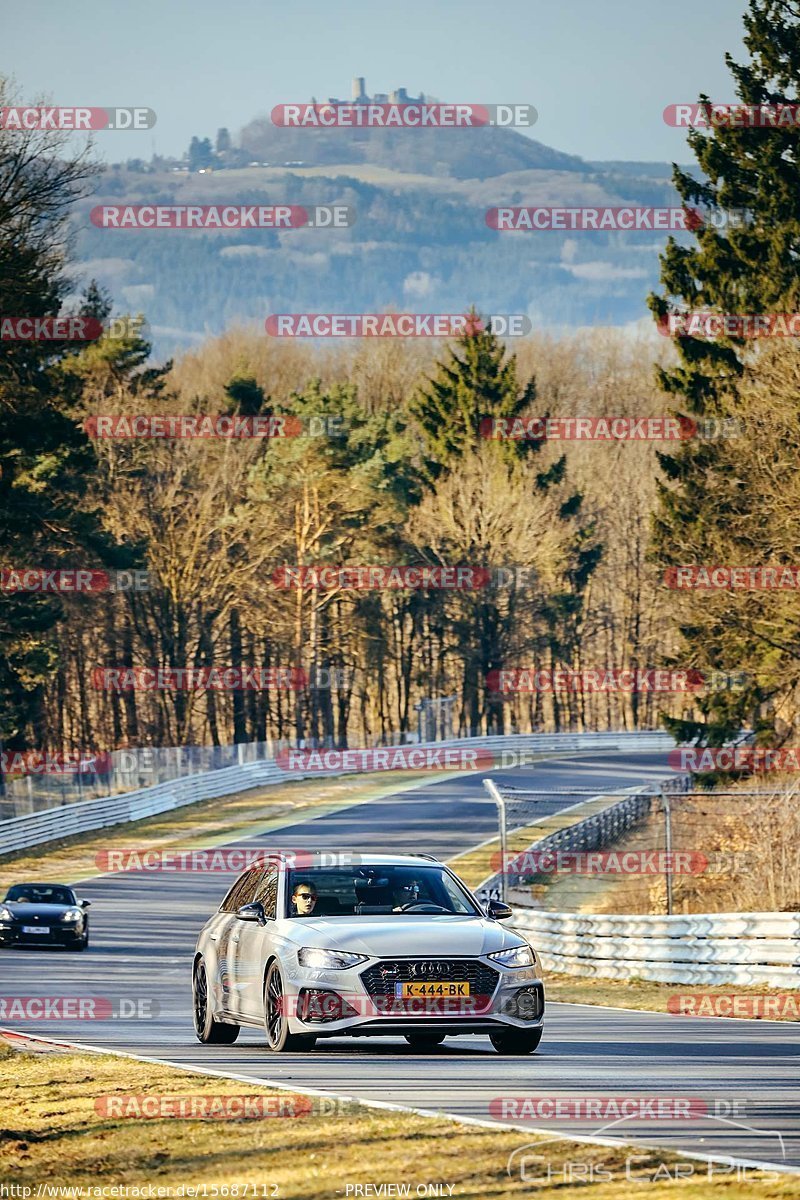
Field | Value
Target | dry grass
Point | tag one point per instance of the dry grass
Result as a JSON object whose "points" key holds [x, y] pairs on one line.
{"points": [[654, 997], [52, 1134]]}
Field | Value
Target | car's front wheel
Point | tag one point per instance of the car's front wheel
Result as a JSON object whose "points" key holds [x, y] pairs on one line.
{"points": [[516, 1041], [276, 1020], [208, 1031], [424, 1041]]}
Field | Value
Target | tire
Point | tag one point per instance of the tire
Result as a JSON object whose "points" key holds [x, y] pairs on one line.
{"points": [[424, 1041], [516, 1041], [82, 945], [276, 1025], [207, 1030]]}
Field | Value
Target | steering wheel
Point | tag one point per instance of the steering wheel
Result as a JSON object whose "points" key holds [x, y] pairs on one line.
{"points": [[422, 906]]}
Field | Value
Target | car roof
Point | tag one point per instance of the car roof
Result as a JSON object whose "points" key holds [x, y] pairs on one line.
{"points": [[39, 884]]}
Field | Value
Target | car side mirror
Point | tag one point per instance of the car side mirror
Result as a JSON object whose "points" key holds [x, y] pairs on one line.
{"points": [[85, 903], [252, 912], [499, 911]]}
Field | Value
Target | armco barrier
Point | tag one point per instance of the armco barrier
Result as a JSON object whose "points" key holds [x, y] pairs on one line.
{"points": [[705, 948], [19, 833]]}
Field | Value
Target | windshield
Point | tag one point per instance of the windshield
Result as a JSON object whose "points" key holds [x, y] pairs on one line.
{"points": [[35, 893], [373, 891]]}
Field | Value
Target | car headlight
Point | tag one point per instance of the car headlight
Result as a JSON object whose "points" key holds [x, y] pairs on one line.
{"points": [[518, 956], [72, 914], [6, 913], [329, 960]]}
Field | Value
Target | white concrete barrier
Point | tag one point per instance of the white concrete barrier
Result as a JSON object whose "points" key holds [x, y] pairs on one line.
{"points": [[704, 948]]}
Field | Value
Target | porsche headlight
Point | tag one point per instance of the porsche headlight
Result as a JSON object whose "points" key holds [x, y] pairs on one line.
{"points": [[518, 956], [329, 960], [6, 913], [72, 914]]}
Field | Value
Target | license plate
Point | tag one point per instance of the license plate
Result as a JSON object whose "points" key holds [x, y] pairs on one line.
{"points": [[436, 989], [35, 928]]}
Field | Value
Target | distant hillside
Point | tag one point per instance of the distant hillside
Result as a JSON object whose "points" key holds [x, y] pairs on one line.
{"points": [[447, 153], [643, 170], [419, 242]]}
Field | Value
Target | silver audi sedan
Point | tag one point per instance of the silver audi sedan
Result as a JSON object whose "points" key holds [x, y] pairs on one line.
{"points": [[331, 944]]}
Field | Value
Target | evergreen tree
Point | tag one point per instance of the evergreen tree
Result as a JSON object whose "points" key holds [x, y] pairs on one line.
{"points": [[749, 266], [45, 521], [474, 383]]}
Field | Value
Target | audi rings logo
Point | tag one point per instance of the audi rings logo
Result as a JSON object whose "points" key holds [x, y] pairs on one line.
{"points": [[430, 968]]}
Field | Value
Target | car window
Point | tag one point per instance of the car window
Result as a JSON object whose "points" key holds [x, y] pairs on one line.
{"points": [[242, 892], [36, 893], [267, 891], [372, 890], [457, 898]]}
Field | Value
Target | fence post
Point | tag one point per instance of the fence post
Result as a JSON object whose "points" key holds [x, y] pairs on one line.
{"points": [[668, 847], [497, 796]]}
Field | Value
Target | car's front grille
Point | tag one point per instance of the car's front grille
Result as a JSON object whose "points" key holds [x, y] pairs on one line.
{"points": [[380, 979]]}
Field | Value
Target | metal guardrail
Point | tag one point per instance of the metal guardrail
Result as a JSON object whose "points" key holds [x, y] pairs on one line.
{"points": [[705, 948], [33, 829], [129, 770]]}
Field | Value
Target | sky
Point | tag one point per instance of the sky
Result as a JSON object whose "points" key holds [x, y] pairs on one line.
{"points": [[599, 72]]}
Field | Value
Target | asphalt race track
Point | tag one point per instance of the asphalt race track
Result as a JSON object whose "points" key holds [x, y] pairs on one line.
{"points": [[144, 927]]}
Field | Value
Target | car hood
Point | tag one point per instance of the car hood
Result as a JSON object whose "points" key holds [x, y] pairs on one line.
{"points": [[24, 910], [383, 937]]}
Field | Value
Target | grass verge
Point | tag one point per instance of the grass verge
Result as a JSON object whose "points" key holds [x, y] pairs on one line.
{"points": [[54, 1132], [654, 997]]}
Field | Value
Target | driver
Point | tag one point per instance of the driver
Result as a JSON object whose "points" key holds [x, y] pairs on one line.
{"points": [[304, 898], [405, 894]]}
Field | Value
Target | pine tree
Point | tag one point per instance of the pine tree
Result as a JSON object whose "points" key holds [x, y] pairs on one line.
{"points": [[44, 455], [474, 383], [747, 266]]}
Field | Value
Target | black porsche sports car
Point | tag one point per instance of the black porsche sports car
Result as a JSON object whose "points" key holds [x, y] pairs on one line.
{"points": [[43, 914]]}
